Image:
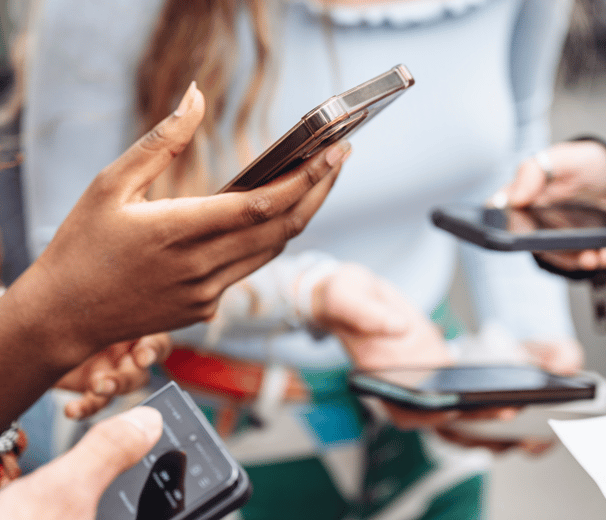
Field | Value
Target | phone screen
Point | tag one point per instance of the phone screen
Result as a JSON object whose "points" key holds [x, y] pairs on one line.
{"points": [[534, 218], [185, 469]]}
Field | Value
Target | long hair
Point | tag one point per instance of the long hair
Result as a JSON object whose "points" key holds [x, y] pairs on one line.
{"points": [[196, 39]]}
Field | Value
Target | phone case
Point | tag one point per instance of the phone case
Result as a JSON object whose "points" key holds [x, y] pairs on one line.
{"points": [[334, 119], [232, 491], [458, 219], [239, 494], [562, 389]]}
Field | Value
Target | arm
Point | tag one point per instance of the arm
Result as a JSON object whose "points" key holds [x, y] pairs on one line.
{"points": [[509, 287], [121, 267]]}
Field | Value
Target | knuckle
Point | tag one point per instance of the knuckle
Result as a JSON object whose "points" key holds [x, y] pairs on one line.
{"points": [[209, 292], [103, 185], [207, 312], [293, 226], [259, 210], [313, 171], [158, 139]]}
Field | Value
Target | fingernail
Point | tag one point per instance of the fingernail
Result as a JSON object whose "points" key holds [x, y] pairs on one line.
{"points": [[73, 411], [338, 153], [105, 387], [499, 200], [185, 103], [146, 357], [146, 419]]}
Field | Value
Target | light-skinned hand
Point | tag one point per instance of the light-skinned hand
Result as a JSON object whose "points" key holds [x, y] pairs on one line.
{"points": [[70, 487], [578, 171], [380, 328]]}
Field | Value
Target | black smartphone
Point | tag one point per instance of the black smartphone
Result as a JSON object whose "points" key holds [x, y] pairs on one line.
{"points": [[470, 387], [188, 475], [570, 225], [334, 119]]}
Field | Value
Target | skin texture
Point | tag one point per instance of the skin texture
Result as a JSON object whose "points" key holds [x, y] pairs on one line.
{"points": [[579, 171], [117, 370], [121, 267], [380, 328], [58, 492]]}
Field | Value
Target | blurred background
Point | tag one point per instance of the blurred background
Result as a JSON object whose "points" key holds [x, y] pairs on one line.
{"points": [[554, 486], [551, 487]]}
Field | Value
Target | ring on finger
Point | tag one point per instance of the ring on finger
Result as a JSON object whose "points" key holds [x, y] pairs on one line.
{"points": [[544, 162]]}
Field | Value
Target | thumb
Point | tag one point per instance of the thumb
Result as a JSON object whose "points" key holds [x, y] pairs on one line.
{"points": [[108, 449], [137, 168]]}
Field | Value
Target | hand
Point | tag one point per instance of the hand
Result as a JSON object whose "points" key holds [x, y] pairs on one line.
{"points": [[121, 267], [70, 487], [381, 329], [578, 170], [563, 357], [117, 370]]}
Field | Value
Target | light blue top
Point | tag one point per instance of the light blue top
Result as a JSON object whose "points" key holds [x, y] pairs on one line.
{"points": [[484, 74]]}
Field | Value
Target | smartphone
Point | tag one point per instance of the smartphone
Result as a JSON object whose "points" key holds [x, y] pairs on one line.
{"points": [[570, 225], [188, 474], [470, 387], [334, 119]]}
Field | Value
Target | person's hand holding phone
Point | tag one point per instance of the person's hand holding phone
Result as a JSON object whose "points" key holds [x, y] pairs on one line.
{"points": [[380, 328], [121, 267], [568, 170], [70, 487]]}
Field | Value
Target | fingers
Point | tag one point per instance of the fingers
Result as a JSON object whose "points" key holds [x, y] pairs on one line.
{"points": [[564, 357], [244, 210], [406, 419], [108, 449], [532, 446], [528, 184], [86, 406], [152, 349], [119, 369], [136, 168]]}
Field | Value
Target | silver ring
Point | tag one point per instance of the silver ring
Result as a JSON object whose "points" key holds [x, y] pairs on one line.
{"points": [[544, 163]]}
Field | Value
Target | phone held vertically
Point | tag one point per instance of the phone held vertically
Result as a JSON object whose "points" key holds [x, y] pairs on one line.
{"points": [[187, 475], [470, 387], [334, 119]]}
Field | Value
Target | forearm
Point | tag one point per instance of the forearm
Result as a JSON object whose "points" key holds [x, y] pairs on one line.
{"points": [[31, 358]]}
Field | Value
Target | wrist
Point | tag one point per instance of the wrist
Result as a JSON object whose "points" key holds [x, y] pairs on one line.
{"points": [[35, 321]]}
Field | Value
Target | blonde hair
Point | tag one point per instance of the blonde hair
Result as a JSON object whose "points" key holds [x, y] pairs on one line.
{"points": [[196, 40]]}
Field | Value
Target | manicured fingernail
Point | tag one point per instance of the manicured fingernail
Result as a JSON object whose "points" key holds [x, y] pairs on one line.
{"points": [[338, 153], [146, 419], [186, 102], [146, 357], [499, 200], [105, 387]]}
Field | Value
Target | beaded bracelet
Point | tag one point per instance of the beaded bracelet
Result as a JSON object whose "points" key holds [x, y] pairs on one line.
{"points": [[8, 439]]}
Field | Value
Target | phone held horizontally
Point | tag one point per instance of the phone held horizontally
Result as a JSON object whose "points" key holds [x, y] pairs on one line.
{"points": [[334, 119], [470, 387], [569, 225]]}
